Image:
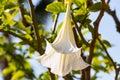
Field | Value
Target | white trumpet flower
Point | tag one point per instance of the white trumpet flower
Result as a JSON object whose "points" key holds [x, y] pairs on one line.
{"points": [[62, 55]]}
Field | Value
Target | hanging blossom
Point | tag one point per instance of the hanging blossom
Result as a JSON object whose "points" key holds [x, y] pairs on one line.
{"points": [[63, 55]]}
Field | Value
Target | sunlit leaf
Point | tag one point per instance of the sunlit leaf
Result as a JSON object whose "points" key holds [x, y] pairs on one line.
{"points": [[80, 12], [82, 9], [59, 26], [11, 6], [2, 38], [28, 18], [44, 76], [18, 75], [20, 25], [31, 51], [27, 65], [7, 71], [15, 12], [28, 36], [56, 7], [79, 2], [8, 19], [1, 9], [70, 1]]}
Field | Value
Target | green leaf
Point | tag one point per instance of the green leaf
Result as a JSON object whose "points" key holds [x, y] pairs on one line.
{"points": [[105, 42], [53, 16], [2, 56], [56, 7], [44, 76], [28, 29], [31, 51], [18, 75], [98, 47], [70, 1], [27, 65], [8, 19], [80, 11], [91, 29], [2, 51], [11, 6], [45, 33], [80, 18], [87, 21], [15, 12], [97, 64], [59, 27], [1, 39], [96, 7], [82, 7], [28, 36], [1, 9], [28, 18], [22, 27], [3, 2], [79, 2], [7, 71], [75, 72], [7, 16]]}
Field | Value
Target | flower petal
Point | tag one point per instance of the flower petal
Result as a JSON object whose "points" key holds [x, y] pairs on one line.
{"points": [[62, 55]]}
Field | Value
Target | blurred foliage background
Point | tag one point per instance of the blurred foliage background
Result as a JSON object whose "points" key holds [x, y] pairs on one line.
{"points": [[23, 33]]}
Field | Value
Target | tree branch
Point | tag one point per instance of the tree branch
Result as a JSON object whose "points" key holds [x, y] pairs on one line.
{"points": [[52, 76], [117, 70], [35, 27], [117, 73], [55, 23], [96, 26], [89, 3], [4, 63], [68, 77], [92, 45], [84, 41], [79, 31], [22, 38], [76, 38], [113, 14], [22, 11], [114, 64]]}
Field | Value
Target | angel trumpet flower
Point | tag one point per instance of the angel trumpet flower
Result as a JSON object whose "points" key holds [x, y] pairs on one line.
{"points": [[62, 55]]}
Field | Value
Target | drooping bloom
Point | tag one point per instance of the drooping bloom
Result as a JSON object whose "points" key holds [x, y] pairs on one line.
{"points": [[62, 55]]}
